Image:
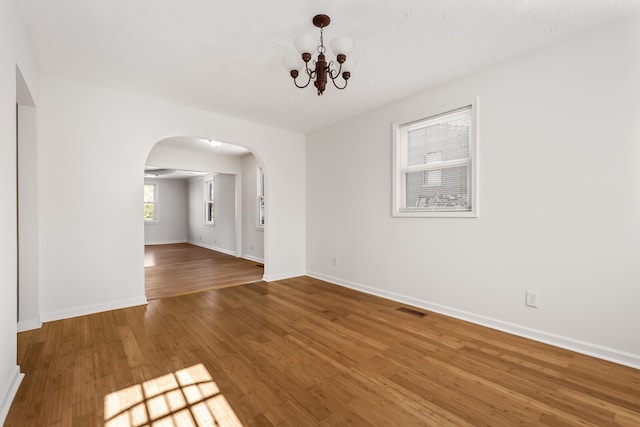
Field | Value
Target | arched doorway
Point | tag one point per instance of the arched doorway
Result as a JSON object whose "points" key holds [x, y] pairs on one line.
{"points": [[202, 226]]}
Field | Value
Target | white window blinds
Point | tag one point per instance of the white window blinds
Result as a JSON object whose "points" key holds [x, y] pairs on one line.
{"points": [[435, 161]]}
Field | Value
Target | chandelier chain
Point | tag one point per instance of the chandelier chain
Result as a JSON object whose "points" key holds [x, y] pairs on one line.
{"points": [[321, 48]]}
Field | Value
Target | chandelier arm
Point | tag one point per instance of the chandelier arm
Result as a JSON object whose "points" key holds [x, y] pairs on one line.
{"points": [[333, 80], [310, 75], [311, 72], [295, 82], [331, 71]]}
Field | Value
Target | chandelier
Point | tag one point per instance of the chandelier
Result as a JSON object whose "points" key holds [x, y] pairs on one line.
{"points": [[321, 70]]}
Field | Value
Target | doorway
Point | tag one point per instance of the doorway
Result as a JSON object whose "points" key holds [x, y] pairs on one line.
{"points": [[204, 233], [28, 306]]}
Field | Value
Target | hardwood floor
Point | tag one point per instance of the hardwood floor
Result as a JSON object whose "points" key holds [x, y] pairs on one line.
{"points": [[182, 268], [302, 352]]}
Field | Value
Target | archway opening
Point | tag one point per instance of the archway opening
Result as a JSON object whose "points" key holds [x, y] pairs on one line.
{"points": [[202, 216]]}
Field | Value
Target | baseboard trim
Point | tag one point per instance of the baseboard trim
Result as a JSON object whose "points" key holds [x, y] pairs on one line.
{"points": [[10, 393], [213, 248], [28, 325], [253, 258], [165, 242], [589, 349], [92, 309], [283, 276]]}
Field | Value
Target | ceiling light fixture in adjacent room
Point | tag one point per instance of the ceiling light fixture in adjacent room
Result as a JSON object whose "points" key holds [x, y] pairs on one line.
{"points": [[321, 70], [158, 172], [214, 143]]}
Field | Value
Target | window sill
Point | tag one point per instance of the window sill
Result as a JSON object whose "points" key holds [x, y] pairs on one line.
{"points": [[434, 214]]}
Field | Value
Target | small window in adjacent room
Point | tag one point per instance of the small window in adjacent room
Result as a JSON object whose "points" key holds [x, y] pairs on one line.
{"points": [[209, 203], [435, 165], [261, 216], [150, 203]]}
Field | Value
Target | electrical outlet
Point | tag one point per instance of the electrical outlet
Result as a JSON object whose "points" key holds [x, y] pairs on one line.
{"points": [[334, 260], [531, 299], [251, 248]]}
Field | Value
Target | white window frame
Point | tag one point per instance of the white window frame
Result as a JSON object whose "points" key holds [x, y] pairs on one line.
{"points": [[400, 164], [210, 201], [261, 219], [155, 203]]}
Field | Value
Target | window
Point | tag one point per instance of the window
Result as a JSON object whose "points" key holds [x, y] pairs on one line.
{"points": [[209, 203], [431, 178], [261, 217], [435, 166], [150, 203]]}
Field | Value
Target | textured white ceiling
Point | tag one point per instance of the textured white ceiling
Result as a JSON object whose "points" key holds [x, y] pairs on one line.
{"points": [[226, 56]]}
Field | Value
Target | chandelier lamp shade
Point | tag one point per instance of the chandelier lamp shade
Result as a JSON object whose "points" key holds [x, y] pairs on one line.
{"points": [[319, 70]]}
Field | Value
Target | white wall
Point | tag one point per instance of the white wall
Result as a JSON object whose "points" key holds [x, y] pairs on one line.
{"points": [[83, 128], [172, 211], [220, 236], [252, 236], [14, 51], [559, 200]]}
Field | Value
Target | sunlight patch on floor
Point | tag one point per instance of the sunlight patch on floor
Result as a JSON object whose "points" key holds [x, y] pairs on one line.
{"points": [[188, 397], [149, 259]]}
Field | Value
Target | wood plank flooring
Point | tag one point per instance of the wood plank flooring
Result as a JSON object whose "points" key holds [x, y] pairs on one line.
{"points": [[302, 352], [182, 268]]}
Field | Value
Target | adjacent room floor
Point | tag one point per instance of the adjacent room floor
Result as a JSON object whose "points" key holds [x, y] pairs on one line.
{"points": [[183, 268]]}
